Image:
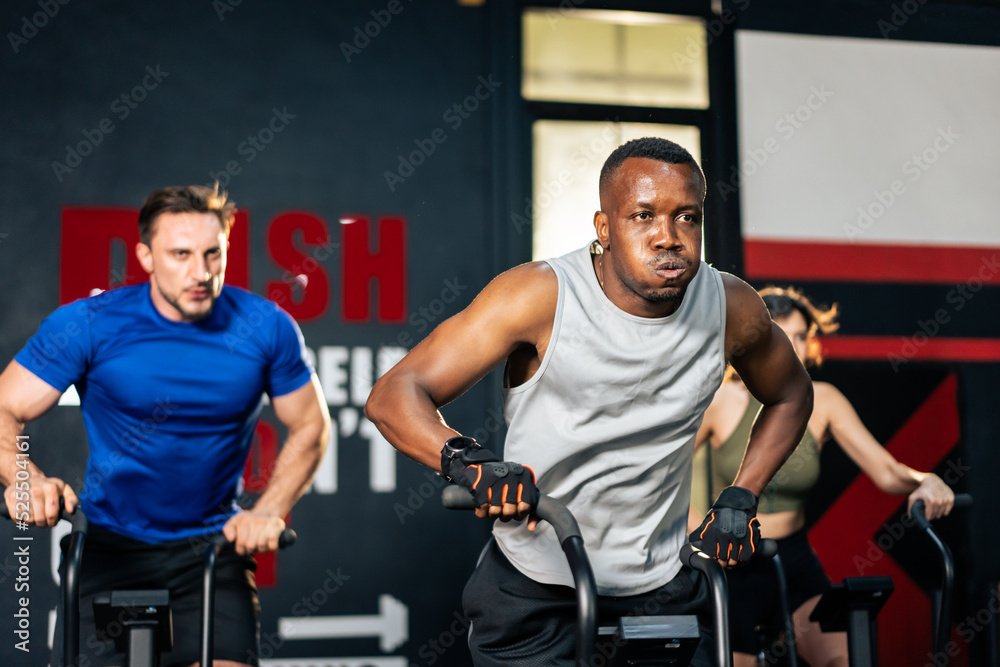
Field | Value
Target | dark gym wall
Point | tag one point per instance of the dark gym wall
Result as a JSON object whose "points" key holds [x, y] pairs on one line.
{"points": [[296, 107]]}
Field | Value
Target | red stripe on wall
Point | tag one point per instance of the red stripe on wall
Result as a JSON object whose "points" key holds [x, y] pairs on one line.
{"points": [[916, 347], [870, 263]]}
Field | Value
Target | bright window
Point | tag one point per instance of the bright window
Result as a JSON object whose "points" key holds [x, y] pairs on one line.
{"points": [[615, 57]]}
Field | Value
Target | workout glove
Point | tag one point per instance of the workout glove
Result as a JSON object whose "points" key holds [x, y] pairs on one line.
{"points": [[494, 482], [730, 530]]}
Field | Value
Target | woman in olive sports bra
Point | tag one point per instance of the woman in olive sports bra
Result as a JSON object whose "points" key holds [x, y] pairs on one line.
{"points": [[726, 428]]}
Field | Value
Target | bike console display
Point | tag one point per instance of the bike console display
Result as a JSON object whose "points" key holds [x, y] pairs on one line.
{"points": [[653, 640], [138, 621]]}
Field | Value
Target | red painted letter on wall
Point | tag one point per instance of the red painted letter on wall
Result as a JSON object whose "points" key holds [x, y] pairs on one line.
{"points": [[87, 238], [301, 268], [386, 266]]}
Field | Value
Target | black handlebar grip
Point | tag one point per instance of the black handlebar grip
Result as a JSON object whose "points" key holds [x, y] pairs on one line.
{"points": [[286, 539], [963, 501], [919, 512], [767, 548], [688, 554], [75, 517], [549, 510], [457, 498]]}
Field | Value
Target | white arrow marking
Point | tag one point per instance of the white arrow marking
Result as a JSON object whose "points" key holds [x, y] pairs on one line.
{"points": [[390, 625]]}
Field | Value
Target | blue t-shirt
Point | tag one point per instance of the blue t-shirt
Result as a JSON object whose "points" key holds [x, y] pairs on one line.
{"points": [[170, 407]]}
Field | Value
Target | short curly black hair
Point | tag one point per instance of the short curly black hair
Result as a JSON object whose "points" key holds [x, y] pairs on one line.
{"points": [[654, 148]]}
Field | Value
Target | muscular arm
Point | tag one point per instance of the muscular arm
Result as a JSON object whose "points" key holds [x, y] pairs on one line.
{"points": [[762, 355], [24, 397], [889, 475], [514, 310], [304, 413]]}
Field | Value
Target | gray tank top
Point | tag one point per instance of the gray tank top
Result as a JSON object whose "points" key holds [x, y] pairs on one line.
{"points": [[608, 423]]}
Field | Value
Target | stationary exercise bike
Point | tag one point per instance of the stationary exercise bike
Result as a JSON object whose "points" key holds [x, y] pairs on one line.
{"points": [[143, 614], [642, 640], [853, 604]]}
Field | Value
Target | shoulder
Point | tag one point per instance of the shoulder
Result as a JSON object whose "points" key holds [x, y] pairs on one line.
{"points": [[747, 319], [740, 296], [239, 298], [525, 289], [247, 309], [80, 311], [244, 303], [114, 303], [70, 339], [112, 300], [531, 276], [517, 306]]}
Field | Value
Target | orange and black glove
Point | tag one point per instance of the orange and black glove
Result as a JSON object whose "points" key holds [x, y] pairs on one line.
{"points": [[490, 480], [730, 531]]}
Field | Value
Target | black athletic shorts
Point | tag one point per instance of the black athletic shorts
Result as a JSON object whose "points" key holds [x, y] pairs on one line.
{"points": [[753, 591], [113, 562], [518, 621]]}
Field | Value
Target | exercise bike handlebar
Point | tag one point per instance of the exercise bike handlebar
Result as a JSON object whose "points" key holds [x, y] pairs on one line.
{"points": [[286, 539], [76, 518], [696, 559], [218, 543], [549, 510], [943, 598], [766, 548], [71, 584], [919, 512], [568, 533]]}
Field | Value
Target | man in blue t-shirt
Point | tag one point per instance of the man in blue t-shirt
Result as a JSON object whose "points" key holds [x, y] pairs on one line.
{"points": [[171, 376]]}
